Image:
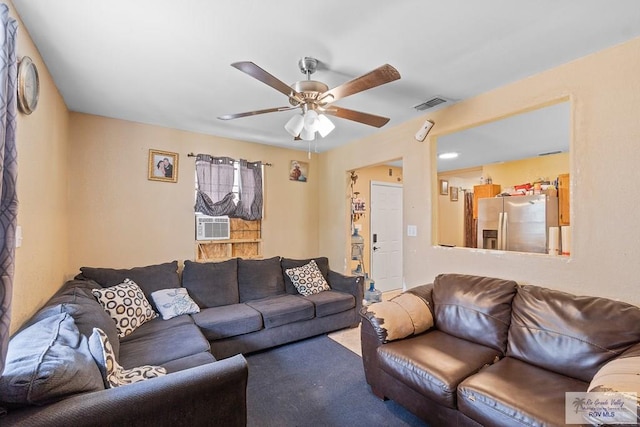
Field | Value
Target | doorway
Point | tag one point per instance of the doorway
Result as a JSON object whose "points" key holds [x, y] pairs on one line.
{"points": [[386, 235]]}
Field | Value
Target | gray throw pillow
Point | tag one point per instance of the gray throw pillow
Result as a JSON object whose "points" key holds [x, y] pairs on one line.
{"points": [[212, 284], [48, 361], [259, 278]]}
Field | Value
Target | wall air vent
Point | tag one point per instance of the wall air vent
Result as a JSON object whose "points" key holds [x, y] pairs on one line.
{"points": [[436, 100]]}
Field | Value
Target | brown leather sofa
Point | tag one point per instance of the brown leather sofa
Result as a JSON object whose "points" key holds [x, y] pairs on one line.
{"points": [[499, 354]]}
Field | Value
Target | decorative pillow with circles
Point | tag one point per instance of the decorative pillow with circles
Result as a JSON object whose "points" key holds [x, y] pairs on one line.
{"points": [[308, 279], [113, 374], [127, 306], [174, 302]]}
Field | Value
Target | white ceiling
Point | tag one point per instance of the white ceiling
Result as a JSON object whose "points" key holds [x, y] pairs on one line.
{"points": [[168, 62]]}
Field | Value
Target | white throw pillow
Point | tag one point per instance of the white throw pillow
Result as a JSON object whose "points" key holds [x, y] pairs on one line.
{"points": [[174, 302], [113, 374], [308, 279], [127, 306]]}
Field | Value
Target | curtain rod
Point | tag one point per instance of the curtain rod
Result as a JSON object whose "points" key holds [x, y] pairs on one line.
{"points": [[194, 155]]}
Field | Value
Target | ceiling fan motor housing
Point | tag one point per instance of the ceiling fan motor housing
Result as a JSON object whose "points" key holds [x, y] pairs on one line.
{"points": [[310, 90]]}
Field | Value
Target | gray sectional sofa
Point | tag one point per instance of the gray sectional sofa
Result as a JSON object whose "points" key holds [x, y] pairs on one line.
{"points": [[500, 354], [244, 306]]}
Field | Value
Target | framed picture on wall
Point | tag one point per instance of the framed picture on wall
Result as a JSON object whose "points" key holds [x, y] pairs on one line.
{"points": [[163, 166], [444, 187], [298, 171], [453, 194]]}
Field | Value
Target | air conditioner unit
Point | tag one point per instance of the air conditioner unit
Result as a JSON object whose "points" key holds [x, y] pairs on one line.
{"points": [[212, 227]]}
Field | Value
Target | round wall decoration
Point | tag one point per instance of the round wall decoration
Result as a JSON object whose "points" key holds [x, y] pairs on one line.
{"points": [[28, 85]]}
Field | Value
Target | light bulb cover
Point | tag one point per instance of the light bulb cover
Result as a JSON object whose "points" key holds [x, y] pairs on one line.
{"points": [[325, 125], [307, 135], [295, 125], [311, 121]]}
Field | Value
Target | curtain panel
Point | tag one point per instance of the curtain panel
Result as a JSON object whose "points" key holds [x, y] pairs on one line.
{"points": [[216, 178], [9, 162]]}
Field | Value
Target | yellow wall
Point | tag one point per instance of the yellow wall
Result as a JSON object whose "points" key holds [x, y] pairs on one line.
{"points": [[121, 219], [528, 170], [363, 186], [604, 92], [42, 143]]}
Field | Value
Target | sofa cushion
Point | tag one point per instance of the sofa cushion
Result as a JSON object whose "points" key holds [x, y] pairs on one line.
{"points": [[228, 321], [47, 361], [157, 325], [331, 302], [434, 363], [283, 309], [286, 263], [308, 279], [212, 284], [127, 306], [174, 302], [568, 334], [162, 346], [512, 392], [150, 278], [113, 374], [474, 308], [259, 278], [187, 362]]}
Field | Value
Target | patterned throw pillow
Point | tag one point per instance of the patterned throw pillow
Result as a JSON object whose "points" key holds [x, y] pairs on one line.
{"points": [[308, 279], [127, 306], [113, 374], [174, 302]]}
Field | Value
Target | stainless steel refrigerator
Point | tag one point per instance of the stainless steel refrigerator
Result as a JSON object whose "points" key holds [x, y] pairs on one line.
{"points": [[516, 223]]}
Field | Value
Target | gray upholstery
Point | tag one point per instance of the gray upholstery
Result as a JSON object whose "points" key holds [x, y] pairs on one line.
{"points": [[212, 284], [283, 309], [259, 278], [331, 302], [228, 321]]}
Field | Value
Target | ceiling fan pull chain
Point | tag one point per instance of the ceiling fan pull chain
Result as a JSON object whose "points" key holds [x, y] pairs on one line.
{"points": [[309, 152]]}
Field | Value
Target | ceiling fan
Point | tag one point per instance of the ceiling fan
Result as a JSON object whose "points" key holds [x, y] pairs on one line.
{"points": [[315, 100]]}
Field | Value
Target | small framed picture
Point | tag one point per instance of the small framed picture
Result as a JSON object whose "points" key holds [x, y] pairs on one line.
{"points": [[453, 194], [444, 187], [163, 166], [298, 171]]}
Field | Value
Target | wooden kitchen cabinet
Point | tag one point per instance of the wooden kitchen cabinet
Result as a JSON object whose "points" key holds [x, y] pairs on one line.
{"points": [[483, 191], [563, 200]]}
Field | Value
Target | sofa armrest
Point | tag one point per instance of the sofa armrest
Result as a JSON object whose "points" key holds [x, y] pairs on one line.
{"points": [[215, 392], [353, 285], [425, 292]]}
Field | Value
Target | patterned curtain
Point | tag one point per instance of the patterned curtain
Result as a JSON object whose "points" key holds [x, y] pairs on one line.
{"points": [[215, 185], [215, 179], [9, 162], [250, 203]]}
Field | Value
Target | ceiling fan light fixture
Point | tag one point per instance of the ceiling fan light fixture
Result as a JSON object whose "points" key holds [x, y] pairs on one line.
{"points": [[311, 121], [295, 124], [325, 125], [307, 135]]}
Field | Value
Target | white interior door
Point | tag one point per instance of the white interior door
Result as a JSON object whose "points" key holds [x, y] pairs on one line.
{"points": [[386, 235]]}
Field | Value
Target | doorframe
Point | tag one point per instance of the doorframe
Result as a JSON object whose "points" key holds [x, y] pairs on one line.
{"points": [[370, 237]]}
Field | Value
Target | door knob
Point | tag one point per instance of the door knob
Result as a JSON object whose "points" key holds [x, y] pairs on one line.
{"points": [[375, 248]]}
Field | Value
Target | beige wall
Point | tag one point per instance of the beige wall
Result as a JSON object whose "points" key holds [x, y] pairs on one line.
{"points": [[378, 173], [604, 92], [528, 170], [122, 219]]}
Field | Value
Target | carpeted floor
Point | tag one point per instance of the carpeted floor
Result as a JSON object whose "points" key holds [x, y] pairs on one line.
{"points": [[316, 382]]}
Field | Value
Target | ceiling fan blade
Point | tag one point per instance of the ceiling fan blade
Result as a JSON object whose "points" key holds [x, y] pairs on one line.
{"points": [[256, 112], [256, 72], [357, 116], [377, 77]]}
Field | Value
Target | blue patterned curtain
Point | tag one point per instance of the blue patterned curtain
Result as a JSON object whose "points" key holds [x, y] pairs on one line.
{"points": [[9, 162]]}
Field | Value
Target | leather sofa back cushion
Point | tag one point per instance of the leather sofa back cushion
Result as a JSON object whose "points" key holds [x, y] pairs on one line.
{"points": [[212, 284], [286, 263], [568, 334], [150, 278], [259, 278], [474, 308]]}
